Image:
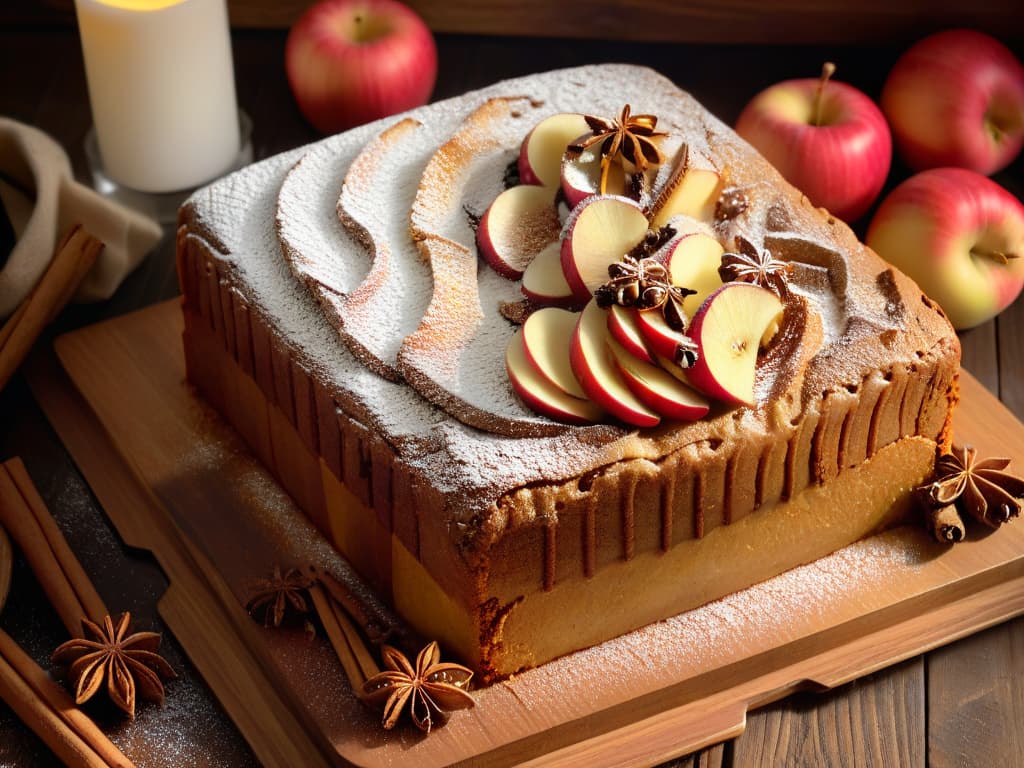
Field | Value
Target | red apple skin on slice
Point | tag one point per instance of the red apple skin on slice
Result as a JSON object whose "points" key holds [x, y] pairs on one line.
{"points": [[540, 394], [599, 232], [543, 149], [520, 222], [597, 373], [581, 175], [695, 195], [728, 329], [625, 329], [544, 281], [662, 339], [692, 262], [547, 335], [659, 389]]}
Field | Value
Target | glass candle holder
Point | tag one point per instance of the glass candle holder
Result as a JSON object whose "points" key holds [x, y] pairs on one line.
{"points": [[162, 91]]}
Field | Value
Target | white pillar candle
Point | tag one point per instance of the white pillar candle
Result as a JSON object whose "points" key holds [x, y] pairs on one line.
{"points": [[162, 89]]}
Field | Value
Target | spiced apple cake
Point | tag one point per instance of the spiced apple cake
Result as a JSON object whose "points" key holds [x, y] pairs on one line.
{"points": [[546, 367]]}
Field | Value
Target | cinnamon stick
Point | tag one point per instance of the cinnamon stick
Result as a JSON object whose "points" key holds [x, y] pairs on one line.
{"points": [[61, 576], [34, 712], [52, 708], [74, 257], [90, 599], [379, 627], [349, 662]]}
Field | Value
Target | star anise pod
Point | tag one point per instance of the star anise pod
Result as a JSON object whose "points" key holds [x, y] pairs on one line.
{"points": [[431, 688], [750, 265], [280, 595], [129, 664], [981, 486], [629, 137], [642, 283]]}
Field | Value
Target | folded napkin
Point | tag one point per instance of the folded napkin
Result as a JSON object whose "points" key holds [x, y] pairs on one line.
{"points": [[41, 200]]}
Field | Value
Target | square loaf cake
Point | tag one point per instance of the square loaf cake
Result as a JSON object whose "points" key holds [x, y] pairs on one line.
{"points": [[339, 315]]}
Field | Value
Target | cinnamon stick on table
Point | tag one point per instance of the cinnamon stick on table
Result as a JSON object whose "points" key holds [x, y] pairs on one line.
{"points": [[26, 518], [51, 713], [74, 257]]}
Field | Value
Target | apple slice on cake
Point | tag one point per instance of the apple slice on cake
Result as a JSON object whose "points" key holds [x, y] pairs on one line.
{"points": [[599, 376], [543, 149], [521, 222], [729, 328], [598, 233]]}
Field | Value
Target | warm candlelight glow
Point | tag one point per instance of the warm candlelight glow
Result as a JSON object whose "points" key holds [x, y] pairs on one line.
{"points": [[141, 5], [162, 89]]}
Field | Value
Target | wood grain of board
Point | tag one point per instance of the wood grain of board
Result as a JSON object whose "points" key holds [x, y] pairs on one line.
{"points": [[129, 376]]}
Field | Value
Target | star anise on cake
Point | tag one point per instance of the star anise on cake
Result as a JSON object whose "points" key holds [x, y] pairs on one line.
{"points": [[629, 137], [982, 487], [751, 265], [430, 687], [281, 596], [129, 665], [644, 283]]}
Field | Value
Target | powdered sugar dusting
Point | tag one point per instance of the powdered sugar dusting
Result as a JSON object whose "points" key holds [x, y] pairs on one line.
{"points": [[236, 216], [767, 615]]}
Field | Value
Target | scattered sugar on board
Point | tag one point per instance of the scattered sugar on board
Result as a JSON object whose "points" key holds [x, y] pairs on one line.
{"points": [[781, 609]]}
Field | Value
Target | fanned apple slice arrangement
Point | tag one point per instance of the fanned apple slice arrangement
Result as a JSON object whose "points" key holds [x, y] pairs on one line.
{"points": [[640, 314]]}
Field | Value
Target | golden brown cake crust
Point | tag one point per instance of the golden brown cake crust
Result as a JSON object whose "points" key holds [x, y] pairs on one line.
{"points": [[866, 360]]}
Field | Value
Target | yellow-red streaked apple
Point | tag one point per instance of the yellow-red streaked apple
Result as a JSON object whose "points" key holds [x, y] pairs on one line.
{"points": [[596, 371], [599, 232], [728, 329], [520, 223], [547, 335], [352, 61], [625, 329], [692, 262], [956, 98], [826, 138], [657, 388], [542, 151], [540, 394], [960, 236]]}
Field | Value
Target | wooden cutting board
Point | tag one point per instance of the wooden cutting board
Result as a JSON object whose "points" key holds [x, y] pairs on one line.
{"points": [[176, 480]]}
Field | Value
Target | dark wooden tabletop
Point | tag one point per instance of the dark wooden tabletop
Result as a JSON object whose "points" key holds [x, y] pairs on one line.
{"points": [[961, 705]]}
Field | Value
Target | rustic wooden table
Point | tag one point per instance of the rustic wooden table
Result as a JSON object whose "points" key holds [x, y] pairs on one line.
{"points": [[959, 705]]}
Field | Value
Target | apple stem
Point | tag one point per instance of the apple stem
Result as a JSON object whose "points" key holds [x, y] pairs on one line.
{"points": [[827, 70], [1000, 257]]}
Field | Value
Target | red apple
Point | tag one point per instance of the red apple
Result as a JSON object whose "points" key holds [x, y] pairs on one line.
{"points": [[960, 236], [956, 98], [729, 328], [827, 138], [352, 61]]}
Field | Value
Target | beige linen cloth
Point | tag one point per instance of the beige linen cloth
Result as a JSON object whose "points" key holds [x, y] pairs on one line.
{"points": [[42, 200]]}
